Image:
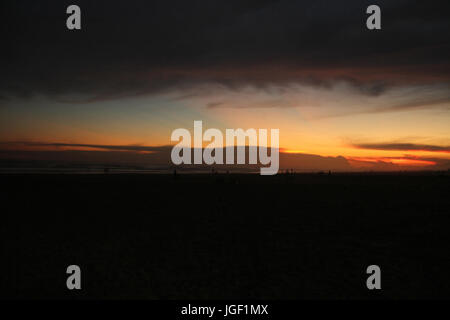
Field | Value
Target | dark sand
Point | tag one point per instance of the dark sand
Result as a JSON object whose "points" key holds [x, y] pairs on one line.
{"points": [[216, 237]]}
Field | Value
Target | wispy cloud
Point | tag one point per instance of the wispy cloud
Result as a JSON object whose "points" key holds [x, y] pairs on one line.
{"points": [[134, 148], [394, 146]]}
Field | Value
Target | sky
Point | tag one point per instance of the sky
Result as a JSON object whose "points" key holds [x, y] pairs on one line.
{"points": [[343, 97]]}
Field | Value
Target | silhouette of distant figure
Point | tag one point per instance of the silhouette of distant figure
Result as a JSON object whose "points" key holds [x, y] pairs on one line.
{"points": [[175, 173], [106, 170], [329, 172]]}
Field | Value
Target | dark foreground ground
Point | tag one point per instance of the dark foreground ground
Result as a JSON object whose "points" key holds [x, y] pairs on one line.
{"points": [[221, 237]]}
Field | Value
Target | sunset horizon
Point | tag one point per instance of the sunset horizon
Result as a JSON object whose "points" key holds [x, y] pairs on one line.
{"points": [[225, 158], [374, 97]]}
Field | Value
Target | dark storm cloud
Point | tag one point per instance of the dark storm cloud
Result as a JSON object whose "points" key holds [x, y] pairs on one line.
{"points": [[141, 47]]}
